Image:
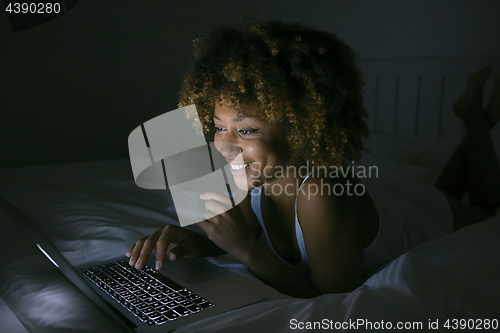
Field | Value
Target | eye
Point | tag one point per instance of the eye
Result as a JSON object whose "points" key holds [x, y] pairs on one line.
{"points": [[248, 131], [219, 129]]}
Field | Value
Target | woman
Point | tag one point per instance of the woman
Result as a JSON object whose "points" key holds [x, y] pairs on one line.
{"points": [[286, 97]]}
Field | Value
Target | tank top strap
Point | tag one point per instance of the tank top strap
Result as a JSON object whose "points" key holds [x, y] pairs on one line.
{"points": [[298, 229], [255, 202]]}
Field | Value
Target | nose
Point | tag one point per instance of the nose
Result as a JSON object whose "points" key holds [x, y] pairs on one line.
{"points": [[228, 147]]}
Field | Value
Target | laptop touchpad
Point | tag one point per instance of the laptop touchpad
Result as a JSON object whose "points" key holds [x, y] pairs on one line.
{"points": [[195, 272]]}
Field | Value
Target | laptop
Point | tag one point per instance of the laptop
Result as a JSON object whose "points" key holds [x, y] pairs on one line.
{"points": [[10, 323], [146, 300]]}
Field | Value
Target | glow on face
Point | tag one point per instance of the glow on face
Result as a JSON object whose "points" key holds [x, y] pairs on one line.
{"points": [[253, 147]]}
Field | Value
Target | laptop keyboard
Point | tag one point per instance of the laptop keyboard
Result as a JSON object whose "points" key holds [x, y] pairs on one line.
{"points": [[147, 294]]}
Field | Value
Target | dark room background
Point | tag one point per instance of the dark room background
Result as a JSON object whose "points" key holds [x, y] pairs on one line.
{"points": [[74, 88]]}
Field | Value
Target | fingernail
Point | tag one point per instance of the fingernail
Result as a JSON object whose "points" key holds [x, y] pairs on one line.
{"points": [[138, 263], [172, 256], [158, 265], [201, 196], [131, 261]]}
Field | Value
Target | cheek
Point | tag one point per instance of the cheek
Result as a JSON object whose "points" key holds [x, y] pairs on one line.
{"points": [[217, 143], [251, 150], [218, 137], [273, 155]]}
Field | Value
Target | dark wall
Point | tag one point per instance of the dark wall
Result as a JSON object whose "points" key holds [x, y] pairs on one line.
{"points": [[74, 88], [400, 28]]}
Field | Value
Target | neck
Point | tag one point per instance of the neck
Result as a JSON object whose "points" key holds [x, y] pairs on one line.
{"points": [[283, 190]]}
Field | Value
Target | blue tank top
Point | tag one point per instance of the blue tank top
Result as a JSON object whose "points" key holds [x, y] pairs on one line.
{"points": [[405, 221], [255, 201]]}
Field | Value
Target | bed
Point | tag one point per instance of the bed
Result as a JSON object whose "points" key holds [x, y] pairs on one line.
{"points": [[94, 210]]}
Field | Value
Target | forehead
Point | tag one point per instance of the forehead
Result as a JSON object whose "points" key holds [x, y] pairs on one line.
{"points": [[237, 113], [228, 114]]}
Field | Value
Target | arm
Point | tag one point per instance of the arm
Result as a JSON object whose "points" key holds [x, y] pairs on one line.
{"points": [[230, 230], [176, 242], [274, 272], [332, 234], [330, 226]]}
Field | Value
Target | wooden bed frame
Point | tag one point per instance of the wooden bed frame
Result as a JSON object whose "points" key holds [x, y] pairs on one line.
{"points": [[414, 96]]}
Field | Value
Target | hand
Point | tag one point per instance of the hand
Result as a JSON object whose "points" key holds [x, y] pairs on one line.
{"points": [[174, 241], [225, 226]]}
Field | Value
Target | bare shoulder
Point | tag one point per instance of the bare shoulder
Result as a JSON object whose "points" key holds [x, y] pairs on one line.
{"points": [[330, 203], [331, 223]]}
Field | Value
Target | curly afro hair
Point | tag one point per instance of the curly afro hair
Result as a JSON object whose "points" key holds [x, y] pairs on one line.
{"points": [[304, 80]]}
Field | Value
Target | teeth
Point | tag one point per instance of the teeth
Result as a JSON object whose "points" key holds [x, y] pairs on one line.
{"points": [[240, 166]]}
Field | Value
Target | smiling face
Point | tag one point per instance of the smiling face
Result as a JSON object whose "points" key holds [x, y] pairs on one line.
{"points": [[258, 145]]}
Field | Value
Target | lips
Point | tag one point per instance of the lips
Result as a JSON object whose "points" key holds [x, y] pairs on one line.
{"points": [[241, 170], [237, 167]]}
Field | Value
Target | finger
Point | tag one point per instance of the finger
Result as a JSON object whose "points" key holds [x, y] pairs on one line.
{"points": [[136, 251], [179, 251], [171, 246], [216, 207], [208, 215], [205, 226], [147, 248], [168, 236], [215, 195], [129, 252]]}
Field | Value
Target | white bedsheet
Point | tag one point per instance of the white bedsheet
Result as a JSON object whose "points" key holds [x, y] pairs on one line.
{"points": [[452, 277], [94, 210]]}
